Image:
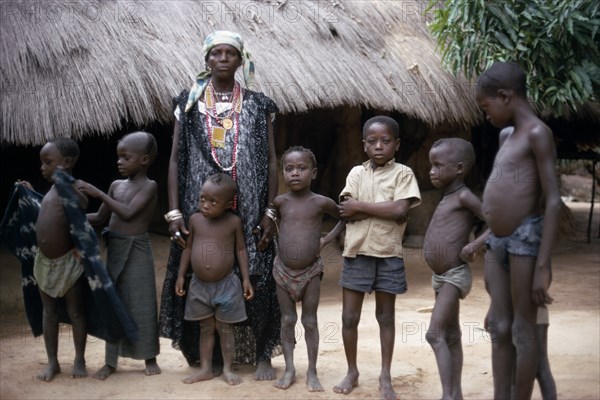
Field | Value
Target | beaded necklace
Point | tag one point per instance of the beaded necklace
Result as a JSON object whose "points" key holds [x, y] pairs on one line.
{"points": [[209, 103], [226, 121]]}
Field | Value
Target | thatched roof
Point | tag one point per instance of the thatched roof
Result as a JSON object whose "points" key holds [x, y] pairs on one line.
{"points": [[86, 68]]}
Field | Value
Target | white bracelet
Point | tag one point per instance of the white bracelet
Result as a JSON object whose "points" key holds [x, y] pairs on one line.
{"points": [[173, 215]]}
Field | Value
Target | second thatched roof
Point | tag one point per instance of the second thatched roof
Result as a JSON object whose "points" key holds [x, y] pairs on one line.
{"points": [[86, 68]]}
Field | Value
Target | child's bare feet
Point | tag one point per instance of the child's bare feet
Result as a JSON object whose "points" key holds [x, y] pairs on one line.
{"points": [[48, 374], [231, 378], [349, 382], [313, 383], [288, 378], [203, 375], [104, 372], [152, 367], [79, 370], [264, 371], [386, 389]]}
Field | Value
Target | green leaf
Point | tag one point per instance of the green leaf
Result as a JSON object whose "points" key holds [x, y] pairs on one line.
{"points": [[504, 40]]}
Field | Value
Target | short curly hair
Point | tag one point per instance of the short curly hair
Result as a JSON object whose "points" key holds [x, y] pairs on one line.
{"points": [[66, 146], [462, 151], [151, 147], [224, 181], [503, 75], [390, 123], [300, 149]]}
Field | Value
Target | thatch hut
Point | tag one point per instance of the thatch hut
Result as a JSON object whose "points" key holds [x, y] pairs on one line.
{"points": [[94, 70], [115, 61]]}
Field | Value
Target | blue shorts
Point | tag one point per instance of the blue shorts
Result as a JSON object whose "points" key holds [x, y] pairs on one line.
{"points": [[223, 299], [524, 241], [366, 273]]}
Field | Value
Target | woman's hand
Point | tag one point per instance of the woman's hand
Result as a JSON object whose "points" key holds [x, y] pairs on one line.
{"points": [[268, 229], [178, 230]]}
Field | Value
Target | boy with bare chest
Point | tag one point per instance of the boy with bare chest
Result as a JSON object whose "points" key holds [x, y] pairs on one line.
{"points": [[447, 251], [215, 296], [298, 267], [521, 205], [58, 269], [129, 206]]}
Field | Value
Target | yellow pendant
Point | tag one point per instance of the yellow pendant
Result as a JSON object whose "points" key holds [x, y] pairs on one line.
{"points": [[227, 123], [218, 137]]}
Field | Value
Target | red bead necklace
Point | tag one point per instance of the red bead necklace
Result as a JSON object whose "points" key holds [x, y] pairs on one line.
{"points": [[236, 125]]}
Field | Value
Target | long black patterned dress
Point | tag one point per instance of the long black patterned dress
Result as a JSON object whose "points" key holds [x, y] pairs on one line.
{"points": [[259, 335]]}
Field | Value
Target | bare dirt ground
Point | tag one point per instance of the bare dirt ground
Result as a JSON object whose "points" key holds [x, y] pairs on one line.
{"points": [[573, 340]]}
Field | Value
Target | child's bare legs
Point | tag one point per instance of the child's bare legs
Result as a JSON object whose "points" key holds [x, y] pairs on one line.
{"points": [[444, 336], [227, 349], [544, 374], [352, 302], [310, 303], [289, 317], [524, 329], [50, 328], [454, 339], [76, 312], [499, 324], [207, 344], [385, 314]]}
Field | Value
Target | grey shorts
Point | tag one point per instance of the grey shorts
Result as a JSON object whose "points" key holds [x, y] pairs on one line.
{"points": [[224, 299], [524, 241], [366, 273]]}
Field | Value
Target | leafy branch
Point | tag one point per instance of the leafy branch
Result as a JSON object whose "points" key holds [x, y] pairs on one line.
{"points": [[556, 42]]}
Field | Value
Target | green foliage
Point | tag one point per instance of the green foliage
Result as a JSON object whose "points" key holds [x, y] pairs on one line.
{"points": [[557, 42]]}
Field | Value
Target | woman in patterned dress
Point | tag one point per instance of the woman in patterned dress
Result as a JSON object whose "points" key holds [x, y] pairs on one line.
{"points": [[222, 127]]}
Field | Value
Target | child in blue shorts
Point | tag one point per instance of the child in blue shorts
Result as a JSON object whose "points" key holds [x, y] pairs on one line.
{"points": [[374, 203]]}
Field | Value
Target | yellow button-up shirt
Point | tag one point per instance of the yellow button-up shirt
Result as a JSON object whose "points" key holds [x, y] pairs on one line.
{"points": [[378, 237]]}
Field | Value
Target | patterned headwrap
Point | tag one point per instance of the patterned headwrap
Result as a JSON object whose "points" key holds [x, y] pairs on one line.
{"points": [[212, 40]]}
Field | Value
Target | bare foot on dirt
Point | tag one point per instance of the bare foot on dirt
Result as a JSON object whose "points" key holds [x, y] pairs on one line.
{"points": [[386, 389], [48, 374], [79, 370], [264, 371], [287, 380], [313, 383], [152, 367], [202, 375], [231, 378], [104, 372], [349, 382]]}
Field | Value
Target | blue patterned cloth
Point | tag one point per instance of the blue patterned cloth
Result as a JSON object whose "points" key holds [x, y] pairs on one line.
{"points": [[17, 233], [106, 315]]}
